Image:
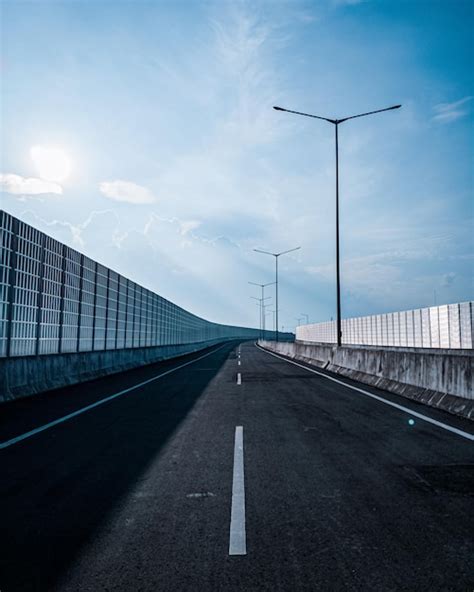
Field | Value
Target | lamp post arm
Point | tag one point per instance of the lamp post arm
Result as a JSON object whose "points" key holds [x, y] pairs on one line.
{"points": [[289, 251], [368, 113], [265, 252], [305, 114]]}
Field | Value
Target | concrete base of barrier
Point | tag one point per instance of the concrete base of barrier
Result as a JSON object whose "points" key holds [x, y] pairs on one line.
{"points": [[440, 378], [26, 376]]}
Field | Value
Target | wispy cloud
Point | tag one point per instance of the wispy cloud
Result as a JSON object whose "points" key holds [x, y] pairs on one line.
{"points": [[243, 46], [125, 191], [107, 220], [189, 225], [347, 2], [447, 112], [18, 185]]}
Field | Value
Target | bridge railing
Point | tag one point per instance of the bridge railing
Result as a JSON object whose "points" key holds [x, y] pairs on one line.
{"points": [[448, 326], [54, 300]]}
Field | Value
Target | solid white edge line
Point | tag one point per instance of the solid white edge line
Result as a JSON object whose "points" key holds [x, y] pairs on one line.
{"points": [[377, 398], [51, 424], [237, 534]]}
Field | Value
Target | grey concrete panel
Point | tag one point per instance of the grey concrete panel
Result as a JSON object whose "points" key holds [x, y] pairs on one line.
{"points": [[438, 377], [25, 376]]}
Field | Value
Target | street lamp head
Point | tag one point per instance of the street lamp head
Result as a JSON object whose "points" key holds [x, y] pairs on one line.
{"points": [[395, 107], [262, 285], [278, 108]]}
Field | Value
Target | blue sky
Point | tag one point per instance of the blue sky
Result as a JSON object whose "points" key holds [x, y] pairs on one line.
{"points": [[179, 166]]}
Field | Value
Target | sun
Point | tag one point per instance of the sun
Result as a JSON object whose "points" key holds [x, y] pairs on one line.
{"points": [[51, 163]]}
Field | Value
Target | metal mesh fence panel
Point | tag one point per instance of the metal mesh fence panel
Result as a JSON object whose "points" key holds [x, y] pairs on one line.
{"points": [[86, 332], [71, 301], [26, 292], [449, 326], [51, 283], [55, 300], [8, 235]]}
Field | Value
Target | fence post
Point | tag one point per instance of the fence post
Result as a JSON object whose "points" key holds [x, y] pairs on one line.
{"points": [[146, 317], [61, 301], [134, 313], [39, 308], [448, 311], [11, 284], [126, 315], [95, 305], [81, 289], [117, 311], [439, 328], [107, 291], [472, 323]]}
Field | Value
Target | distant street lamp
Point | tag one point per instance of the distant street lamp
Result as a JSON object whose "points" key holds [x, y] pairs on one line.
{"points": [[262, 286], [336, 123], [273, 313], [264, 316], [262, 306], [276, 255], [307, 317]]}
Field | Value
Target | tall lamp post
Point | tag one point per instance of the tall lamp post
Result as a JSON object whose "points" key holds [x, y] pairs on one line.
{"points": [[262, 286], [303, 314], [336, 123], [276, 255]]}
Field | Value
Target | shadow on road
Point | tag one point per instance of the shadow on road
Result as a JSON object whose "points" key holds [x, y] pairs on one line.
{"points": [[57, 489]]}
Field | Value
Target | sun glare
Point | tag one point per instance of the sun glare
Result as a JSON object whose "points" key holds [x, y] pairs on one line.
{"points": [[51, 163]]}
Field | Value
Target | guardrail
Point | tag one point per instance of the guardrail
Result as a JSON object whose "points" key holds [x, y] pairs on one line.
{"points": [[449, 326], [55, 300]]}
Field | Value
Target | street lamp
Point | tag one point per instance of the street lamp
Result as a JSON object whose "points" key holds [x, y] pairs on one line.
{"points": [[264, 316], [262, 319], [276, 255], [262, 286], [336, 123], [272, 312], [307, 317]]}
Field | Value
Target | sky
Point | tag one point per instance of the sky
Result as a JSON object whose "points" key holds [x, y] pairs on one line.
{"points": [[143, 135]]}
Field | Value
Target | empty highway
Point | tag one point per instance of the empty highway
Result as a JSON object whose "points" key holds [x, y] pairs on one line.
{"points": [[233, 470]]}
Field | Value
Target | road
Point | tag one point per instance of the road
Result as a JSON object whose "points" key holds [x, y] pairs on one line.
{"points": [[328, 488]]}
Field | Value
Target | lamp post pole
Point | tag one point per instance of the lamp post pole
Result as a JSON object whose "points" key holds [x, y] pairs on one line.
{"points": [[262, 286], [336, 123], [338, 270], [273, 313], [276, 255], [262, 319]]}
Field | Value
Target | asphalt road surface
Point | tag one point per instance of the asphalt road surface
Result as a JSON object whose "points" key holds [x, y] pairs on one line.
{"points": [[220, 476]]}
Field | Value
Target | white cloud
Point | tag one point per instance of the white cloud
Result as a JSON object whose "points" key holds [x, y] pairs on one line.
{"points": [[447, 112], [127, 192], [18, 185], [188, 225]]}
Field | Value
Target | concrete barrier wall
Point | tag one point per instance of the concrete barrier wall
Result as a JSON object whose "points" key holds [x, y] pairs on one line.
{"points": [[437, 377], [23, 377]]}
